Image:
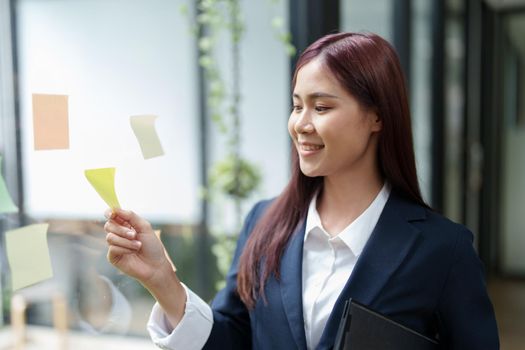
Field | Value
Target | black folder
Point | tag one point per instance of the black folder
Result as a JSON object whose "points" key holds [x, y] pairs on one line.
{"points": [[361, 328]]}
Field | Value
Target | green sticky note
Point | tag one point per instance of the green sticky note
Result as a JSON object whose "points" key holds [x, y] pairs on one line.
{"points": [[28, 255], [103, 180], [144, 128], [6, 203]]}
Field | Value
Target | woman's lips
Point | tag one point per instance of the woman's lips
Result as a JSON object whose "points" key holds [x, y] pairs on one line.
{"points": [[307, 149]]}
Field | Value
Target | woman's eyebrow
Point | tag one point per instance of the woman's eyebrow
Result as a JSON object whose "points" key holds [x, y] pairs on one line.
{"points": [[315, 95]]}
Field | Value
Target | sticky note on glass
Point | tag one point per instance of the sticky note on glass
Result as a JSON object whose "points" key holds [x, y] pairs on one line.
{"points": [[28, 255], [6, 203], [144, 128], [103, 180], [50, 121]]}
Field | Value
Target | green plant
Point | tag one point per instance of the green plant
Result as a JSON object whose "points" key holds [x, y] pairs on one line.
{"points": [[232, 177], [235, 177]]}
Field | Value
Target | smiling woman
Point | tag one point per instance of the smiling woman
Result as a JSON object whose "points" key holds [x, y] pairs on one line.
{"points": [[333, 133], [351, 223]]}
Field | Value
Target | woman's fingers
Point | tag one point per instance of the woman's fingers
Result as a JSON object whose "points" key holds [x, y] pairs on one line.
{"points": [[128, 217], [115, 253], [116, 250], [112, 227], [111, 215], [122, 222], [115, 240]]}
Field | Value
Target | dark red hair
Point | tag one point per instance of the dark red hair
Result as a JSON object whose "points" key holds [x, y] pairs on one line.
{"points": [[368, 68]]}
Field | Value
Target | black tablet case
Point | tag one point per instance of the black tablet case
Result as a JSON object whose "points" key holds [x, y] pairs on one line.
{"points": [[361, 328]]}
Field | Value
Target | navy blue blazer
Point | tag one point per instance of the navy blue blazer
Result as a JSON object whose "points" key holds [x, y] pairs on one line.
{"points": [[417, 268]]}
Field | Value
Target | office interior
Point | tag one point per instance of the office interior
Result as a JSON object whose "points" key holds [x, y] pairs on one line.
{"points": [[464, 62]]}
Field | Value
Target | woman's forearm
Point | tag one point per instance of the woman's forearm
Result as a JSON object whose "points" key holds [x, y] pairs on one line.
{"points": [[167, 289]]}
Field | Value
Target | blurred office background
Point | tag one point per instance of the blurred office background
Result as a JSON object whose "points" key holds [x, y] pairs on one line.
{"points": [[465, 66]]}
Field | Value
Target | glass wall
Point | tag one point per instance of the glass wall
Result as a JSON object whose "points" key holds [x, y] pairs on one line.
{"points": [[113, 59], [110, 67]]}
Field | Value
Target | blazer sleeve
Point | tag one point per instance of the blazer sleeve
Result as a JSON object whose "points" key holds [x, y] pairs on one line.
{"points": [[231, 321], [465, 314]]}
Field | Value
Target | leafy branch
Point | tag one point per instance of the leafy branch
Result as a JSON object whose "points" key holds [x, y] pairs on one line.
{"points": [[233, 176]]}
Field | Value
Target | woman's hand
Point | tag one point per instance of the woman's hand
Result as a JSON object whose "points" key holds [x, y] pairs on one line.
{"points": [[134, 248]]}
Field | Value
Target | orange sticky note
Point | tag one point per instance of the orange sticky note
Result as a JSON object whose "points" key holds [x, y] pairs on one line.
{"points": [[50, 121]]}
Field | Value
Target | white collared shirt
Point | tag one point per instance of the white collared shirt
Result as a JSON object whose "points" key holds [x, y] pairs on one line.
{"points": [[193, 329], [329, 261], [327, 264]]}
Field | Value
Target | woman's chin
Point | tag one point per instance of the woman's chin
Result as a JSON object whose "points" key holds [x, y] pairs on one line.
{"points": [[310, 172]]}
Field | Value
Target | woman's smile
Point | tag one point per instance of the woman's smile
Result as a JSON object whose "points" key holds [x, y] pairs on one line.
{"points": [[307, 149]]}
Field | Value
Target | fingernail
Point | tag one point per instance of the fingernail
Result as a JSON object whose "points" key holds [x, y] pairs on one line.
{"points": [[130, 234], [137, 244]]}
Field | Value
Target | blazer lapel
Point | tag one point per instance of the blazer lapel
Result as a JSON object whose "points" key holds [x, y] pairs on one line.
{"points": [[291, 285], [386, 249]]}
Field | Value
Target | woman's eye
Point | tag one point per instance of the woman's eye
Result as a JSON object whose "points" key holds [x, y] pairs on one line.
{"points": [[297, 108], [321, 108]]}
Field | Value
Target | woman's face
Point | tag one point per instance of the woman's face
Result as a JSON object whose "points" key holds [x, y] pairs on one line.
{"points": [[334, 135]]}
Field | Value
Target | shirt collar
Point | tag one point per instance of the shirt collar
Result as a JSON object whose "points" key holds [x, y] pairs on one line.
{"points": [[312, 218], [355, 235]]}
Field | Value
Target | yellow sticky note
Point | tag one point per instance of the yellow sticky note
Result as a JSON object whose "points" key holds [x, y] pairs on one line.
{"points": [[50, 121], [28, 255], [144, 128], [6, 203], [103, 180]]}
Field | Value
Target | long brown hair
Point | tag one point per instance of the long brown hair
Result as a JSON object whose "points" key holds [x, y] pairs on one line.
{"points": [[368, 68]]}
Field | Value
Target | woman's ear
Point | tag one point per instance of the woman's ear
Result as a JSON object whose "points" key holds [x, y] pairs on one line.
{"points": [[377, 123]]}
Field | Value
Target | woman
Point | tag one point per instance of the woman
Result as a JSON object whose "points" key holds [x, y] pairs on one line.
{"points": [[350, 223]]}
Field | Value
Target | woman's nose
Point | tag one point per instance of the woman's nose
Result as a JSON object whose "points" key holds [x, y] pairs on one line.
{"points": [[303, 124]]}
